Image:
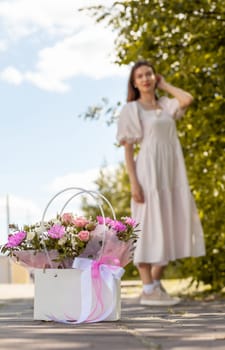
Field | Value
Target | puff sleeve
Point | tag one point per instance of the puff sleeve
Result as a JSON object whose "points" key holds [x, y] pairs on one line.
{"points": [[172, 106], [129, 127]]}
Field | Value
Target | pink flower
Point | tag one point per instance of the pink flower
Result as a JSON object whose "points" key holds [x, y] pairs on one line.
{"points": [[56, 231], [129, 221], [118, 226], [67, 218], [80, 222], [16, 239], [84, 235], [100, 220]]}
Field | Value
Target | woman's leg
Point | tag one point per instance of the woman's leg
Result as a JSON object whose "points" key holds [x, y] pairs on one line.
{"points": [[153, 292], [145, 273], [146, 277], [157, 272]]}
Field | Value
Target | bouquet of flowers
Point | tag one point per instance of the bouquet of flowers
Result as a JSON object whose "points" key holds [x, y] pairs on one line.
{"points": [[57, 242]]}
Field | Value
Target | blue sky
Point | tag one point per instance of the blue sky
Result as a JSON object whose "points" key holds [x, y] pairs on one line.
{"points": [[54, 63]]}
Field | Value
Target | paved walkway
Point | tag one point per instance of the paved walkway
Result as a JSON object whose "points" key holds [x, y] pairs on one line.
{"points": [[191, 325]]}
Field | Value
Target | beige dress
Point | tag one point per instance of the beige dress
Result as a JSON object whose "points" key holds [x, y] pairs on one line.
{"points": [[170, 228]]}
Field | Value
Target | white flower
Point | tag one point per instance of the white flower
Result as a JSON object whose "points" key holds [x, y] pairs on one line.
{"points": [[73, 242], [70, 229], [30, 235], [39, 230], [62, 240], [56, 221]]}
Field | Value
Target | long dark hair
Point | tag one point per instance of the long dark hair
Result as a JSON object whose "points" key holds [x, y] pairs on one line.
{"points": [[132, 92]]}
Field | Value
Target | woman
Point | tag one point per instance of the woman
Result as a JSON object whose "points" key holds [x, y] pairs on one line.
{"points": [[161, 201]]}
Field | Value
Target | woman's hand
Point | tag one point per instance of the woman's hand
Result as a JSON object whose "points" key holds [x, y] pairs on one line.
{"points": [[136, 190], [160, 81], [184, 98], [137, 193]]}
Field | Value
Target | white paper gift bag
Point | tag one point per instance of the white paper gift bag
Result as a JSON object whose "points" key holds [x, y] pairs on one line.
{"points": [[59, 296], [78, 262], [88, 292]]}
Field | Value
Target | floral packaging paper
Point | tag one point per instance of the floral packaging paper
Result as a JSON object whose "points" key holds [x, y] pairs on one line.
{"points": [[59, 241]]}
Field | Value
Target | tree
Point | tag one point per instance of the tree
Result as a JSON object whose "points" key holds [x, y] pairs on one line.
{"points": [[114, 185], [186, 41]]}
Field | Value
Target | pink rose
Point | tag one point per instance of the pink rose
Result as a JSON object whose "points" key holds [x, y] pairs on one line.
{"points": [[84, 235], [67, 218], [80, 222]]}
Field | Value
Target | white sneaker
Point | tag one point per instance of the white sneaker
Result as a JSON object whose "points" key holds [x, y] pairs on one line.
{"points": [[161, 287], [158, 298]]}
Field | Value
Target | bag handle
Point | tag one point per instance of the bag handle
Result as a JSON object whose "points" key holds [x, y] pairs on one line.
{"points": [[94, 194]]}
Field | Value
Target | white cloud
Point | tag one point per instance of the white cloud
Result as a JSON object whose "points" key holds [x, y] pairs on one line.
{"points": [[86, 53], [12, 75], [3, 45], [26, 211], [24, 17], [81, 46], [61, 187], [21, 209], [83, 179]]}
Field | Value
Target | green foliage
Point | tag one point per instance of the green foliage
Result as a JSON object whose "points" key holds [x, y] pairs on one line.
{"points": [[103, 108], [114, 185], [185, 40]]}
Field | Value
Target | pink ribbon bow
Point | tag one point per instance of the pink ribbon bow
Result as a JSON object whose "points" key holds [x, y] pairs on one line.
{"points": [[105, 260]]}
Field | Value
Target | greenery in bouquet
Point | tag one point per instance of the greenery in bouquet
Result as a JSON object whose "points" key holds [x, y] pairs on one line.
{"points": [[67, 234]]}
